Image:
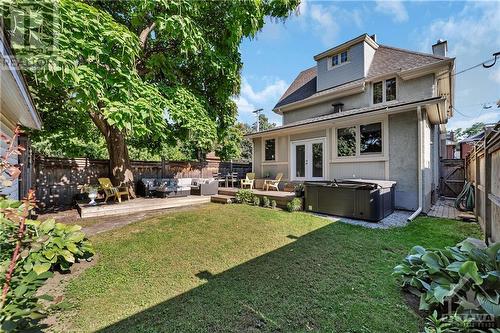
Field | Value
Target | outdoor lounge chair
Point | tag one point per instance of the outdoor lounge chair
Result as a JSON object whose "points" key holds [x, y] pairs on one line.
{"points": [[273, 183], [111, 191], [248, 181]]}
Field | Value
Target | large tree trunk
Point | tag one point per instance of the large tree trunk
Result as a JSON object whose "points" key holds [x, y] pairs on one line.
{"points": [[121, 170]]}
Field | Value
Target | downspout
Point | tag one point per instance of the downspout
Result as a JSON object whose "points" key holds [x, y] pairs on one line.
{"points": [[420, 160]]}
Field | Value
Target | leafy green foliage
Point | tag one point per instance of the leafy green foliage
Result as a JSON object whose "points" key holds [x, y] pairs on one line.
{"points": [[57, 246], [46, 246], [294, 205], [266, 202], [256, 201], [245, 196], [453, 274], [469, 131], [449, 324], [162, 72]]}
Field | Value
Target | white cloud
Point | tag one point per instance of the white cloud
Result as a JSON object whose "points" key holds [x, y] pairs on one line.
{"points": [[324, 23], [495, 75], [393, 8], [251, 99], [489, 117], [244, 106], [272, 91], [472, 35]]}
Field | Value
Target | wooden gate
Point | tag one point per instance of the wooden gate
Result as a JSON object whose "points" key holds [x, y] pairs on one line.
{"points": [[452, 177]]}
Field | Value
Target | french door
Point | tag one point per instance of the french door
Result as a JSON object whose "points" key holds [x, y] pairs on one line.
{"points": [[308, 159]]}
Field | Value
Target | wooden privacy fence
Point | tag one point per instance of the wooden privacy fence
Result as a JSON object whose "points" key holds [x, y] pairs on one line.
{"points": [[57, 180], [483, 170]]}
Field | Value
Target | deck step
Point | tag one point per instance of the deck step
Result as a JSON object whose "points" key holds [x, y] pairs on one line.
{"points": [[222, 198]]}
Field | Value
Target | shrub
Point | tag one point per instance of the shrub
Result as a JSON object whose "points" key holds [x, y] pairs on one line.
{"points": [[294, 205], [28, 251], [449, 324], [244, 196], [256, 201], [453, 274], [273, 204], [266, 202]]}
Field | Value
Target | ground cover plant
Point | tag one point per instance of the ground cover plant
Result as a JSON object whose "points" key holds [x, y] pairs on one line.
{"points": [[240, 268]]}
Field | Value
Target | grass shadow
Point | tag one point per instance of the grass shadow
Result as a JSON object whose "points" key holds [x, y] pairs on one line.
{"points": [[315, 283]]}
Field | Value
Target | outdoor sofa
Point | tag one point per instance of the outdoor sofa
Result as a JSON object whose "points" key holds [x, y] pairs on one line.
{"points": [[177, 187]]}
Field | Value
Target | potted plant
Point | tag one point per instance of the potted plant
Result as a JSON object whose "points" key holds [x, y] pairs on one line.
{"points": [[299, 190], [91, 193]]}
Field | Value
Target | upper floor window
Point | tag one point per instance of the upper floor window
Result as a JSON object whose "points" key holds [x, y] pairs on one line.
{"points": [[339, 58], [270, 149], [384, 91]]}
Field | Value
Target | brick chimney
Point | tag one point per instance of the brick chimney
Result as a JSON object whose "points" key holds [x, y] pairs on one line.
{"points": [[440, 48]]}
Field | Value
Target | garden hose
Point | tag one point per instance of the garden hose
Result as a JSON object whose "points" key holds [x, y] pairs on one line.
{"points": [[465, 200]]}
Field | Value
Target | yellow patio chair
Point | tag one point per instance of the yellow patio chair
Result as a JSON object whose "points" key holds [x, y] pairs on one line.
{"points": [[111, 191], [273, 183], [248, 181]]}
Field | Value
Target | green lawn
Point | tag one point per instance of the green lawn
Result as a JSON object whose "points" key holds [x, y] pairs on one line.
{"points": [[239, 268]]}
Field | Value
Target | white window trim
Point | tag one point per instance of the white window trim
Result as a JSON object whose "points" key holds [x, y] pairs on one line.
{"points": [[264, 149], [383, 90], [340, 64], [383, 156]]}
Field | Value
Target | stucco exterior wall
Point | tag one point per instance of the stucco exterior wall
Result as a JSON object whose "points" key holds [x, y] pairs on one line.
{"points": [[419, 88], [352, 70], [367, 170], [308, 135], [410, 90], [403, 158], [257, 156]]}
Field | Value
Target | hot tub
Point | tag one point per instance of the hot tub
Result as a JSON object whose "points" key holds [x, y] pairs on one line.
{"points": [[370, 200]]}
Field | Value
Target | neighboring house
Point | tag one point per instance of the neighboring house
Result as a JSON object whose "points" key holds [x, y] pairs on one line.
{"points": [[16, 108], [451, 147], [365, 110], [467, 144]]}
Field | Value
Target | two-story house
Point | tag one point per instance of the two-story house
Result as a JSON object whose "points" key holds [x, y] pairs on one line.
{"points": [[365, 110]]}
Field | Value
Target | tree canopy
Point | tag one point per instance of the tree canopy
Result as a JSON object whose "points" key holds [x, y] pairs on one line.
{"points": [[147, 72]]}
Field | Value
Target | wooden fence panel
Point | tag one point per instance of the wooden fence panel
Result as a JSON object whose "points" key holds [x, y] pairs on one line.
{"points": [[57, 180], [483, 170]]}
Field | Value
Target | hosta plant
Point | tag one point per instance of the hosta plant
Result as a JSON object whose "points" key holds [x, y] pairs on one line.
{"points": [[466, 275]]}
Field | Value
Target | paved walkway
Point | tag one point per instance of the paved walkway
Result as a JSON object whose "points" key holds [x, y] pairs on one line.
{"points": [[444, 208]]}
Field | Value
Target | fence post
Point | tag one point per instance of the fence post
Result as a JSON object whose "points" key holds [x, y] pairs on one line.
{"points": [[487, 191], [476, 184]]}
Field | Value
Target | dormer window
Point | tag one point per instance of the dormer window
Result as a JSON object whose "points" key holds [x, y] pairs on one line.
{"points": [[339, 58], [384, 91]]}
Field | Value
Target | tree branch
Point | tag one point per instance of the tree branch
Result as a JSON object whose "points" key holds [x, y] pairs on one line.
{"points": [[143, 37]]}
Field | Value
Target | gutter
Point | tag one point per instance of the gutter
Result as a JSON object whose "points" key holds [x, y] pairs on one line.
{"points": [[374, 111], [420, 161], [10, 61]]}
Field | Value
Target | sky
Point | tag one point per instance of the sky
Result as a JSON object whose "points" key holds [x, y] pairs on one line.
{"points": [[275, 56]]}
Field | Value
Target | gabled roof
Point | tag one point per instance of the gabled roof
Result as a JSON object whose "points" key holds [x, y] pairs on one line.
{"points": [[387, 60]]}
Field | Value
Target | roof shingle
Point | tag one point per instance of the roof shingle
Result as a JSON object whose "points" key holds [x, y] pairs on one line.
{"points": [[386, 60]]}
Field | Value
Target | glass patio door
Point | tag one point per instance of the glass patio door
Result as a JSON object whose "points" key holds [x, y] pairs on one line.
{"points": [[308, 160]]}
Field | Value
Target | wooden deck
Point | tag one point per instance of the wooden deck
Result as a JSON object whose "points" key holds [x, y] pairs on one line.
{"points": [[444, 208], [138, 205]]}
